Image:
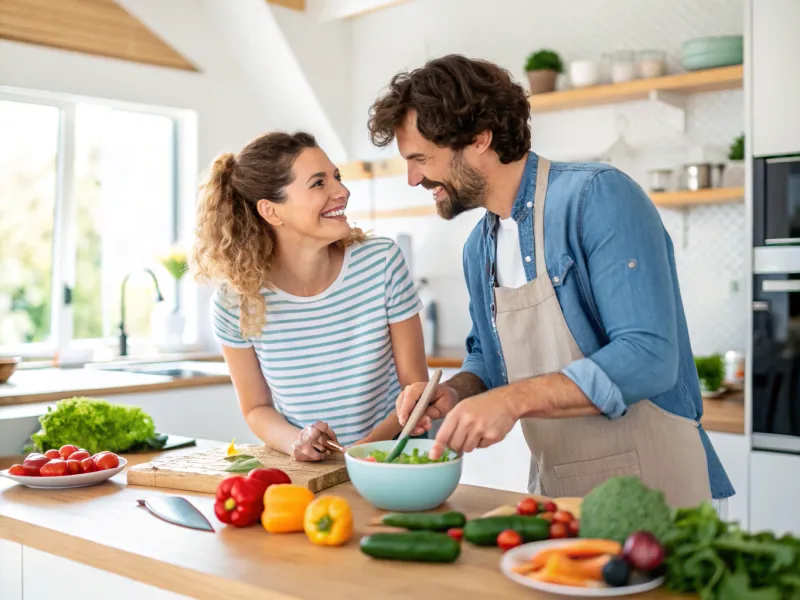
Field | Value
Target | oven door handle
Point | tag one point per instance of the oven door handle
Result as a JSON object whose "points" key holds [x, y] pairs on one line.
{"points": [[780, 285]]}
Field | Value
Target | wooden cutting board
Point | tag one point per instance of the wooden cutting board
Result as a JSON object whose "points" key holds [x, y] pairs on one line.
{"points": [[202, 471]]}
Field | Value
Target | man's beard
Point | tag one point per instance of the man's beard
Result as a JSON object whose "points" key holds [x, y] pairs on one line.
{"points": [[466, 191]]}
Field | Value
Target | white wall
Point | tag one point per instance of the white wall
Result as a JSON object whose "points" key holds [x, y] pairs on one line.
{"points": [[711, 256]]}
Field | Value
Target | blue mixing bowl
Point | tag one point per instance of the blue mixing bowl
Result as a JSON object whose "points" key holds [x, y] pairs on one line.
{"points": [[400, 487]]}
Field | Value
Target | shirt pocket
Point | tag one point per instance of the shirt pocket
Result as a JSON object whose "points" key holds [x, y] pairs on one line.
{"points": [[558, 274]]}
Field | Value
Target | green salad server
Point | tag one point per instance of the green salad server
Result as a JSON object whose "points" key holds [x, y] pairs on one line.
{"points": [[418, 411]]}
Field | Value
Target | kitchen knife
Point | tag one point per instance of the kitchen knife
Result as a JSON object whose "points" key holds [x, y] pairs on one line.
{"points": [[177, 510]]}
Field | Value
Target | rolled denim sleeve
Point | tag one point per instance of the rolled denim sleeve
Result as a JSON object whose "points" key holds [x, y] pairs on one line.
{"points": [[631, 278], [474, 362]]}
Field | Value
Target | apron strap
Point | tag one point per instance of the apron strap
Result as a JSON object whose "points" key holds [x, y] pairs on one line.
{"points": [[542, 175]]}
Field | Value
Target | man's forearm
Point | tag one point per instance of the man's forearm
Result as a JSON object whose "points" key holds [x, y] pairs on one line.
{"points": [[547, 396], [466, 384]]}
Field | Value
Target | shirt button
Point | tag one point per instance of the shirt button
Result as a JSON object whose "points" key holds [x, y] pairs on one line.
{"points": [[527, 259], [530, 204], [632, 264], [556, 279]]}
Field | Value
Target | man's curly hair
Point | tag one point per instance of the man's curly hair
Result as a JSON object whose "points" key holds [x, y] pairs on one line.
{"points": [[455, 99]]}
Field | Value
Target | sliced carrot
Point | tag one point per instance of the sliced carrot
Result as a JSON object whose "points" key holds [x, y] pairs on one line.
{"points": [[557, 571], [588, 548], [587, 568]]}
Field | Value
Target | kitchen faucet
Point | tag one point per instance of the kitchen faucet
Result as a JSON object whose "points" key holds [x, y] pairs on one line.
{"points": [[123, 337]]}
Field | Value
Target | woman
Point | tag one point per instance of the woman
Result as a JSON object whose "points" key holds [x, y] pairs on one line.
{"points": [[319, 324]]}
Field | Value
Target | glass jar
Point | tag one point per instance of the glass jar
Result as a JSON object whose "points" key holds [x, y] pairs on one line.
{"points": [[623, 66], [651, 63]]}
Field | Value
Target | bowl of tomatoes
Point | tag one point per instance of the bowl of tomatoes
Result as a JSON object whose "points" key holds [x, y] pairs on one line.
{"points": [[67, 467]]}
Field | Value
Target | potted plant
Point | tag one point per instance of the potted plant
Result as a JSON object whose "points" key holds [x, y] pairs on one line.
{"points": [[735, 170], [542, 67], [176, 263], [710, 371]]}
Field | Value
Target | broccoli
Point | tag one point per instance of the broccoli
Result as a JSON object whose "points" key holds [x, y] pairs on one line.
{"points": [[621, 506]]}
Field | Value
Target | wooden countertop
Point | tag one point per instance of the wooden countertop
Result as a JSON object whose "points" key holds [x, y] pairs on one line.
{"points": [[724, 414], [102, 526]]}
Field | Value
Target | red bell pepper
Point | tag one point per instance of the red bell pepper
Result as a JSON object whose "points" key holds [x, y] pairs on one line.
{"points": [[240, 500]]}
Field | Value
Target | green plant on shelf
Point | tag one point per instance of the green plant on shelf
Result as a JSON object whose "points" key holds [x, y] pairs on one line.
{"points": [[544, 60], [736, 151], [710, 371]]}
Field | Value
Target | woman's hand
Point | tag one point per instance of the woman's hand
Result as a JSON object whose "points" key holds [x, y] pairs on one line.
{"points": [[311, 443]]}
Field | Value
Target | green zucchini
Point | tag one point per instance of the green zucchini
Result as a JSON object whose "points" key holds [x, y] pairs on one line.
{"points": [[484, 531], [414, 546], [425, 521]]}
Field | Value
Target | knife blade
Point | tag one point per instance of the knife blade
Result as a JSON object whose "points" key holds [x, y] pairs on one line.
{"points": [[176, 510]]}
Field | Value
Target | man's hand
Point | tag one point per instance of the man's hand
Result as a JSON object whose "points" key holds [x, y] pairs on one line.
{"points": [[444, 399], [476, 422], [311, 443]]}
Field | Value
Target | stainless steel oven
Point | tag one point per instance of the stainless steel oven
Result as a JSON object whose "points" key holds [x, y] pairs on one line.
{"points": [[776, 349], [776, 201]]}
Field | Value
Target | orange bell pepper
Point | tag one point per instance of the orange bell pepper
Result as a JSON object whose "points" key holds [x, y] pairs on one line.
{"points": [[329, 521], [285, 507]]}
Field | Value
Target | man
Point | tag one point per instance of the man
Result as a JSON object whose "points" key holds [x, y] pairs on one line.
{"points": [[578, 327]]}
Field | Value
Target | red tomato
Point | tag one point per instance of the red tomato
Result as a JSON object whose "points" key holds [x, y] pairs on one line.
{"points": [[16, 470], [550, 507], [563, 516], [34, 463], [73, 466], [106, 460], [558, 530], [67, 450], [55, 468], [88, 465], [79, 455], [52, 453], [370, 459], [456, 533], [508, 539], [574, 527], [527, 506]]}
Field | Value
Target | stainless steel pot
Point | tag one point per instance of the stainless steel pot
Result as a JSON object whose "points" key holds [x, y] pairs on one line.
{"points": [[697, 176]]}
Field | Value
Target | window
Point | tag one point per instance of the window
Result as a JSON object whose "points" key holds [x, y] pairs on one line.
{"points": [[88, 195]]}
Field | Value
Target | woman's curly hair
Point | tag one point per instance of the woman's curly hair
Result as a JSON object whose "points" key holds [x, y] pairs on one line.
{"points": [[455, 99], [234, 245]]}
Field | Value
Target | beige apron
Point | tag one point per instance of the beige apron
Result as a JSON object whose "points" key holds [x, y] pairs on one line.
{"points": [[570, 456]]}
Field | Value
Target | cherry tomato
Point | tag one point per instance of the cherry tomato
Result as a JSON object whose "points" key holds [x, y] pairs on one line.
{"points": [[55, 468], [16, 470], [79, 455], [574, 527], [106, 460], [371, 459], [558, 530], [52, 453], [563, 516], [67, 450], [550, 507], [34, 463], [547, 516], [456, 533], [88, 465], [73, 466], [508, 539], [527, 506]]}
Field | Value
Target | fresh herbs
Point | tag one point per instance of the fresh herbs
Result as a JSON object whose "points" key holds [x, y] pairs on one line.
{"points": [[721, 562], [242, 463], [711, 371], [415, 458]]}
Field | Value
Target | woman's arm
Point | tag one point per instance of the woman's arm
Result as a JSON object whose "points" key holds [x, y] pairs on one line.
{"points": [[255, 401], [412, 366]]}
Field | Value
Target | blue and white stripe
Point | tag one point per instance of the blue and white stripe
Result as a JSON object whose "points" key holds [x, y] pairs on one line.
{"points": [[329, 357]]}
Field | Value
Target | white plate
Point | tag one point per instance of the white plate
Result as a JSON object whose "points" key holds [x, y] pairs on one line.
{"points": [[67, 481], [527, 551]]}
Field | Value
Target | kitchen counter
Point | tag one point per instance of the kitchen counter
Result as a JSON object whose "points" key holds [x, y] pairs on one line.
{"points": [[101, 526]]}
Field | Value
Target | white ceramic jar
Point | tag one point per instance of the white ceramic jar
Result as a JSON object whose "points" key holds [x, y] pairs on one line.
{"points": [[583, 73]]}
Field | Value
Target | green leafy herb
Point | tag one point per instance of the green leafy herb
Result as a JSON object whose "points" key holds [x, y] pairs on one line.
{"points": [[711, 371], [736, 151], [238, 457], [720, 562], [243, 466], [95, 425], [544, 60], [415, 458]]}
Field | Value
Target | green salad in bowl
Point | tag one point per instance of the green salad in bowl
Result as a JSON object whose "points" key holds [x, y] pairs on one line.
{"points": [[415, 458]]}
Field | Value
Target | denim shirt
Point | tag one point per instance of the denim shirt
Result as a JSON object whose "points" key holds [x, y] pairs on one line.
{"points": [[613, 269]]}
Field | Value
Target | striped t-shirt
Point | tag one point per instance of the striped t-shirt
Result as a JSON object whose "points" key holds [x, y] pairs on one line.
{"points": [[329, 357]]}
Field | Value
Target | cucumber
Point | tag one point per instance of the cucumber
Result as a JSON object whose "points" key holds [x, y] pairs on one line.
{"points": [[415, 546], [484, 531], [425, 521]]}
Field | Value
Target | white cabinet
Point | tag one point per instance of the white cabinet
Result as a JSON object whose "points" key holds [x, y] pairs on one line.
{"points": [[46, 576], [10, 570], [775, 80], [733, 451], [774, 492]]}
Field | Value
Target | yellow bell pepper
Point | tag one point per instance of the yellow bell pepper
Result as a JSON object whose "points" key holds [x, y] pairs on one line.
{"points": [[284, 507], [329, 521]]}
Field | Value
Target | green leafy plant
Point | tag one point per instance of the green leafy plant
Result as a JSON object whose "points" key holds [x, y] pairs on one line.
{"points": [[711, 371], [544, 60], [736, 151]]}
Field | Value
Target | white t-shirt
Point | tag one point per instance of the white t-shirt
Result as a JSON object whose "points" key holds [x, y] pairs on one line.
{"points": [[510, 270]]}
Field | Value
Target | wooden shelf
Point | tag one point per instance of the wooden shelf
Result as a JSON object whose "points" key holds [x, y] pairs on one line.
{"points": [[689, 198], [709, 80], [666, 199]]}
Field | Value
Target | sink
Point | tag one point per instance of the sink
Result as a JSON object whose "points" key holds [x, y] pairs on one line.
{"points": [[176, 370], [175, 373]]}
